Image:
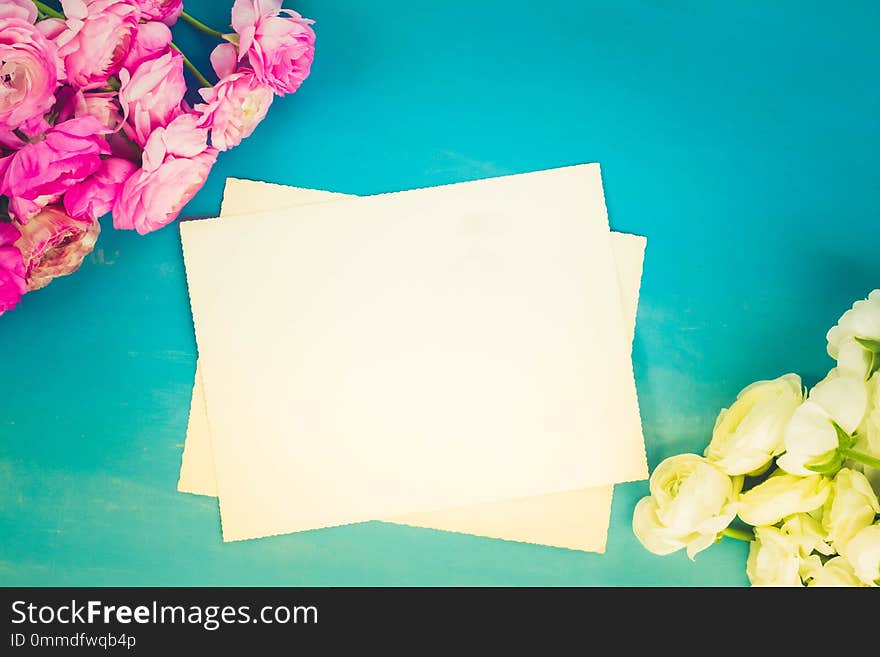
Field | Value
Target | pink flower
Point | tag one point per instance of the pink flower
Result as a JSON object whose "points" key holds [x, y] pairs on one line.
{"points": [[167, 11], [24, 10], [53, 244], [235, 105], [177, 161], [151, 96], [30, 129], [151, 40], [280, 49], [94, 196], [94, 40], [41, 171], [103, 106], [29, 66], [12, 283], [70, 103]]}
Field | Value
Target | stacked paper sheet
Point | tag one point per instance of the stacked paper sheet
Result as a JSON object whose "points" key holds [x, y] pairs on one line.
{"points": [[455, 358]]}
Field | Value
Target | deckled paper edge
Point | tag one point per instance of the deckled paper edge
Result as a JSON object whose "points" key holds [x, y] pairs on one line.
{"points": [[187, 225]]}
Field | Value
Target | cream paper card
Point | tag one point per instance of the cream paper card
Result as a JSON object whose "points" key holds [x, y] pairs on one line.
{"points": [[574, 519], [431, 354]]}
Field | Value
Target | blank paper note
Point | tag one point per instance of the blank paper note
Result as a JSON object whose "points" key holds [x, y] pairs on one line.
{"points": [[399, 343], [573, 519]]}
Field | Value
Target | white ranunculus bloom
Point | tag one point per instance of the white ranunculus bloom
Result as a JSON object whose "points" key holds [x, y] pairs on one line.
{"points": [[868, 434], [650, 531], [873, 476], [850, 507], [692, 501], [869, 430], [863, 552], [852, 358], [750, 433], [782, 495], [859, 323], [810, 437], [807, 533], [774, 559], [834, 572]]}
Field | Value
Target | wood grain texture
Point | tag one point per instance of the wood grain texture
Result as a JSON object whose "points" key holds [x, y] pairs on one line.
{"points": [[741, 138]]}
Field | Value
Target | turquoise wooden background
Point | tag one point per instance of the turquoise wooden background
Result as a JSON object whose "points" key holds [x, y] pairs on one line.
{"points": [[741, 137]]}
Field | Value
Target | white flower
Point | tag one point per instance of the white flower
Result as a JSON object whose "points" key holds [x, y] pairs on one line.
{"points": [[650, 531], [807, 533], [868, 434], [834, 572], [855, 341], [863, 552], [750, 433], [873, 476], [774, 559], [850, 507], [692, 501], [811, 438], [782, 495], [869, 431]]}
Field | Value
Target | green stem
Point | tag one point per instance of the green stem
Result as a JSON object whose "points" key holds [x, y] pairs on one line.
{"points": [[199, 25], [192, 68], [46, 9], [738, 534], [864, 459]]}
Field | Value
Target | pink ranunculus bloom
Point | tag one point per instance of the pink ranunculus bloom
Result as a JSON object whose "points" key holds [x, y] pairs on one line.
{"points": [[103, 106], [95, 39], [9, 140], [167, 11], [94, 197], [30, 129], [176, 163], [24, 10], [235, 105], [53, 244], [280, 48], [152, 95], [12, 282], [38, 174], [29, 65], [151, 40]]}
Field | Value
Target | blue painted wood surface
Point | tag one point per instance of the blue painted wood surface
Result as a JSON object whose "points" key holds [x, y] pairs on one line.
{"points": [[741, 137]]}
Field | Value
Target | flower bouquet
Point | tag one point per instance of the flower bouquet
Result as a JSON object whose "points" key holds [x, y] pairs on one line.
{"points": [[93, 119], [802, 472]]}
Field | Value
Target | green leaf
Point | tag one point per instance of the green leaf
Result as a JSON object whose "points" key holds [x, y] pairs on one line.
{"points": [[746, 535], [874, 366], [4, 210], [832, 461], [871, 345], [844, 440], [827, 467]]}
